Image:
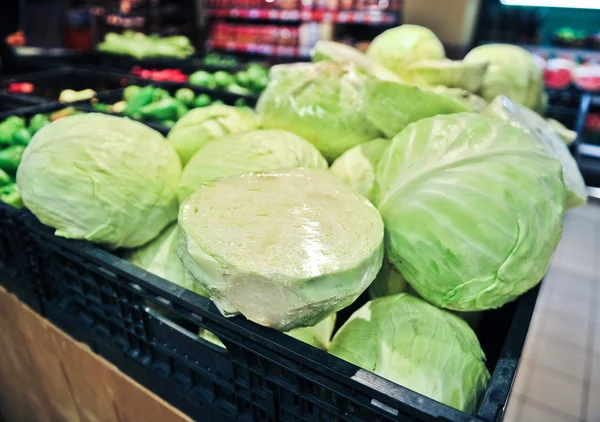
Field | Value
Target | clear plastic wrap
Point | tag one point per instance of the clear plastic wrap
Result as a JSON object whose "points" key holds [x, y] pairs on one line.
{"points": [[284, 248]]}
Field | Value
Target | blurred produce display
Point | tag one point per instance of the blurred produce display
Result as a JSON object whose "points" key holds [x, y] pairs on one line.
{"points": [[142, 46], [159, 105], [253, 79]]}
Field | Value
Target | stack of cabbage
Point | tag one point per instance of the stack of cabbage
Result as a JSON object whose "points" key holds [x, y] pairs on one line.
{"points": [[431, 190]]}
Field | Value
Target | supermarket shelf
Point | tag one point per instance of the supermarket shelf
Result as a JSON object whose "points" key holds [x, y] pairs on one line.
{"points": [[349, 16], [261, 49]]}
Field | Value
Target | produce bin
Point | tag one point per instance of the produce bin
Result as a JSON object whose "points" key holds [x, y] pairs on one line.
{"points": [[148, 327], [49, 84]]}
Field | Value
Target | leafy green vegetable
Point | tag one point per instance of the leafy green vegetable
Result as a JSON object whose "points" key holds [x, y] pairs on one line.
{"points": [[203, 125], [321, 102], [453, 74], [568, 136], [285, 248], [318, 335], [103, 178], [512, 72], [536, 126], [408, 341], [389, 281], [158, 257], [357, 166], [398, 48], [392, 106], [473, 209], [246, 152]]}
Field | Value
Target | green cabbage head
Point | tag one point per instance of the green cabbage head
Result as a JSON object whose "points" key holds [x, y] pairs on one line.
{"points": [[203, 125], [332, 51], [285, 248], [321, 102], [158, 257], [512, 72], [473, 209], [106, 179], [421, 347], [318, 335], [399, 47], [246, 152], [357, 166], [453, 74], [539, 129]]}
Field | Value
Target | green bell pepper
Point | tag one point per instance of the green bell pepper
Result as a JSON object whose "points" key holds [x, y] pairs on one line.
{"points": [[144, 97], [202, 100], [223, 79], [164, 109], [160, 93], [16, 120], [185, 95], [10, 158], [10, 195], [37, 122], [181, 109], [130, 92], [5, 179], [21, 137], [7, 132], [201, 78]]}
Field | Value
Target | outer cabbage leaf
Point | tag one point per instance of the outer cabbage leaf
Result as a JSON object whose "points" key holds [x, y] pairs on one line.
{"points": [[473, 209], [284, 248], [318, 335], [450, 73], [332, 51], [357, 166], [246, 152], [106, 179], [393, 106], [321, 102], [398, 47], [470, 101], [539, 129], [568, 136], [158, 257], [201, 126], [389, 282], [512, 72], [426, 349]]}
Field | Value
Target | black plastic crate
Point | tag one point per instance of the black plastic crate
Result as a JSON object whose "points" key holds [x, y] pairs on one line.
{"points": [[148, 327], [50, 83]]}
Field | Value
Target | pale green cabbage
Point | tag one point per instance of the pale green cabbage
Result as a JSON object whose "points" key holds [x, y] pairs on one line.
{"points": [[332, 51], [158, 257], [321, 102], [357, 166], [426, 349], [203, 125], [399, 47], [512, 72], [284, 248], [539, 129], [568, 136], [392, 106], [246, 152], [469, 101], [389, 281], [453, 74], [318, 335], [473, 209], [106, 179]]}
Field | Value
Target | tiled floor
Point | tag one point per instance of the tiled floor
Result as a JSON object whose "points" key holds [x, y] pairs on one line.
{"points": [[559, 377]]}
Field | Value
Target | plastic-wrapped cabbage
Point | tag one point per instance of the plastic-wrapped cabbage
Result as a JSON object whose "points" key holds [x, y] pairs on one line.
{"points": [[469, 100], [392, 106], [473, 209], [536, 126], [246, 152], [284, 248], [318, 335], [568, 136], [321, 102], [450, 73], [332, 51], [203, 125], [357, 166], [426, 349], [106, 179], [399, 47], [512, 72], [389, 282], [158, 257]]}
